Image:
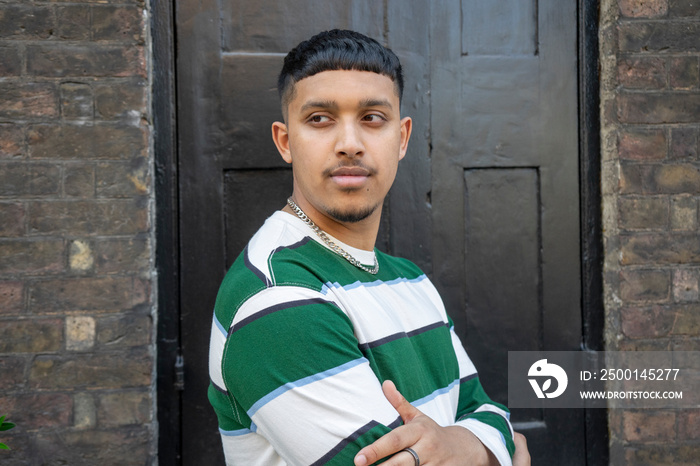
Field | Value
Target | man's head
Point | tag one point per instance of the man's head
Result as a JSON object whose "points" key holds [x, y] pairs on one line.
{"points": [[336, 50], [343, 132]]}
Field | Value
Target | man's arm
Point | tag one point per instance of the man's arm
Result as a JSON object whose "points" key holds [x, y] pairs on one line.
{"points": [[452, 445], [433, 444]]}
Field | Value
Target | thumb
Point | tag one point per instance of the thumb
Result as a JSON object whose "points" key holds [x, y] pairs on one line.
{"points": [[406, 410]]}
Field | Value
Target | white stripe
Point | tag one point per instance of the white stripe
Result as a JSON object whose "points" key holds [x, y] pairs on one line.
{"points": [[466, 366], [217, 341], [273, 296], [495, 409], [332, 409], [275, 232], [385, 306], [250, 450], [491, 437], [441, 405], [301, 382]]}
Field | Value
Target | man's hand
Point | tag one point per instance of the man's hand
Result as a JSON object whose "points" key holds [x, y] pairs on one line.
{"points": [[434, 445], [522, 455]]}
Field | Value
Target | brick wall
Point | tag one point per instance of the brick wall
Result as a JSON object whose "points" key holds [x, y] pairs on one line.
{"points": [[76, 204], [650, 117]]}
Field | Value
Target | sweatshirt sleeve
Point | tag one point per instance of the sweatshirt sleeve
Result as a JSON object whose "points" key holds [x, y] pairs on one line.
{"points": [[488, 420], [294, 375]]}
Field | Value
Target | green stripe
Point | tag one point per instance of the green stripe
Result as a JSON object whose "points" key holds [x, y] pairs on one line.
{"points": [[274, 350], [471, 396], [418, 365]]}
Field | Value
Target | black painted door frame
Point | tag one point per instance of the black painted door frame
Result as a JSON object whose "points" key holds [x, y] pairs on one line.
{"points": [[171, 425]]}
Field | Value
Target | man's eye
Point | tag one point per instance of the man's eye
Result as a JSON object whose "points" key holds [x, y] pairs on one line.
{"points": [[319, 119], [373, 118]]}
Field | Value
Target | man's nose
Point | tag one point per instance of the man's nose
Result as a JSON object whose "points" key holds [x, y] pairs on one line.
{"points": [[349, 143]]}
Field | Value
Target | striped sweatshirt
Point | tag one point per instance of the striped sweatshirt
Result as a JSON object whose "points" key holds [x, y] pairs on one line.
{"points": [[301, 341]]}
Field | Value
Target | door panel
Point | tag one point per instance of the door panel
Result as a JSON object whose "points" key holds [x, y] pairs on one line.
{"points": [[505, 192], [486, 200]]}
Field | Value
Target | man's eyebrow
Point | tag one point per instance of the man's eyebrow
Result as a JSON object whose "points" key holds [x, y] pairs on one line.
{"points": [[323, 104], [376, 103]]}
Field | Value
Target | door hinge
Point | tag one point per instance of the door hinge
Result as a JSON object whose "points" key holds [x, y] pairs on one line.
{"points": [[179, 373]]}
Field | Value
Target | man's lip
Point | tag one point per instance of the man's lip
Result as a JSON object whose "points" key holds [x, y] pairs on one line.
{"points": [[350, 171]]}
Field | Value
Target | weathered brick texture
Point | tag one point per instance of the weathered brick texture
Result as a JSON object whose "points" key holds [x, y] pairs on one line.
{"points": [[76, 193], [650, 97]]}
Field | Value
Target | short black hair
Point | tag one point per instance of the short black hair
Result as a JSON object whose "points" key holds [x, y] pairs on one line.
{"points": [[337, 49]]}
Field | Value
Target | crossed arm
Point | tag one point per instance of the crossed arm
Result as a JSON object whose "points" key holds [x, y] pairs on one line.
{"points": [[435, 445]]}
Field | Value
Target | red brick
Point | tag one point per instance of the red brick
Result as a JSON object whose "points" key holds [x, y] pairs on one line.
{"points": [[643, 8], [643, 213], [10, 62], [117, 23], [645, 285], [657, 455], [31, 335], [79, 180], [12, 370], [22, 256], [12, 219], [125, 101], [118, 179], [689, 425], [127, 446], [61, 60], [661, 321], [659, 36], [122, 255], [85, 142], [642, 145], [124, 330], [11, 297], [28, 100], [642, 72], [76, 100], [11, 141], [660, 249], [116, 217], [651, 322], [85, 293], [676, 178], [658, 108], [38, 410], [25, 22], [684, 143], [124, 408], [73, 22], [657, 426], [20, 179], [685, 73], [684, 8], [94, 371]]}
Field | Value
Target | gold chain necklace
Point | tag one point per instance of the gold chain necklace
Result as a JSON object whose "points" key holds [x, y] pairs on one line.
{"points": [[334, 247]]}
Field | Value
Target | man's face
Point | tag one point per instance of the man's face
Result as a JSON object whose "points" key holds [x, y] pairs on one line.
{"points": [[345, 137]]}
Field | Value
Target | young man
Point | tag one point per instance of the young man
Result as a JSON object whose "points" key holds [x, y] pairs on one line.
{"points": [[317, 337]]}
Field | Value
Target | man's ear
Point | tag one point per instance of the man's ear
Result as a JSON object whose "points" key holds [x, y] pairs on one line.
{"points": [[280, 136], [406, 127]]}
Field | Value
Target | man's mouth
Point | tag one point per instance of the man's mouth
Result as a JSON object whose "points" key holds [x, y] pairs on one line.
{"points": [[349, 177]]}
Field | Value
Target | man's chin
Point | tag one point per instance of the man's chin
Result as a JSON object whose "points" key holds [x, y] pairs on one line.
{"points": [[351, 216]]}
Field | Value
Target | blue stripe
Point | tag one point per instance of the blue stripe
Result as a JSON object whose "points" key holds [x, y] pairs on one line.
{"points": [[300, 383], [435, 394], [219, 326], [359, 284], [234, 433]]}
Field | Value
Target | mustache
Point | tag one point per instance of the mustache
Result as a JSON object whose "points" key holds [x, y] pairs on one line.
{"points": [[349, 164]]}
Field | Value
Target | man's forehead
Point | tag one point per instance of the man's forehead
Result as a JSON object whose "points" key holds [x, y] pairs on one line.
{"points": [[334, 86]]}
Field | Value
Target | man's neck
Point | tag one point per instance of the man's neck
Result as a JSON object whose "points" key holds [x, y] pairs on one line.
{"points": [[360, 235]]}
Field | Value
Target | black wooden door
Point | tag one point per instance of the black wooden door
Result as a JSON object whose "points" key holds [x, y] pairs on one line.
{"points": [[496, 224]]}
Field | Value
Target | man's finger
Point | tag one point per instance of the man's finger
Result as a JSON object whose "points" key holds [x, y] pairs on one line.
{"points": [[407, 411]]}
